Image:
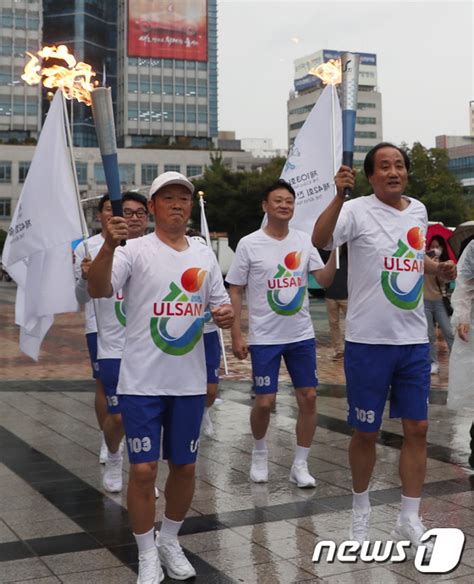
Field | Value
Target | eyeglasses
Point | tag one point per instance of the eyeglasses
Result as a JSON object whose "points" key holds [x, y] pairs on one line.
{"points": [[129, 213]]}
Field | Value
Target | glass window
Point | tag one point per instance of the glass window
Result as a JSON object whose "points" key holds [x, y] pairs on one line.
{"points": [[202, 91], [156, 84], [5, 171], [99, 175], [193, 170], [81, 171], [149, 172], [23, 168], [366, 134], [179, 117], [202, 118], [178, 64], [5, 208], [202, 66], [144, 84], [178, 88], [172, 168], [127, 173], [366, 120]]}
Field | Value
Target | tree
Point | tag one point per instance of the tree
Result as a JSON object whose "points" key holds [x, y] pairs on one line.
{"points": [[435, 186]]}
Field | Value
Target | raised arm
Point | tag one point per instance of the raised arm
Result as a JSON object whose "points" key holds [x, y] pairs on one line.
{"points": [[239, 345], [326, 223], [100, 272]]}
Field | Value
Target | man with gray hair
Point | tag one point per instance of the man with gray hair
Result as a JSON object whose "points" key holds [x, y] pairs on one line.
{"points": [[168, 280]]}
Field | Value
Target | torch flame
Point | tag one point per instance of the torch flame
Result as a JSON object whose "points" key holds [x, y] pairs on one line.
{"points": [[73, 80], [329, 72]]}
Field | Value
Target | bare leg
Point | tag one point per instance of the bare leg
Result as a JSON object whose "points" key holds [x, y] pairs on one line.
{"points": [[179, 490], [211, 394], [113, 431], [306, 421], [413, 457], [362, 459], [260, 414], [100, 403], [141, 496]]}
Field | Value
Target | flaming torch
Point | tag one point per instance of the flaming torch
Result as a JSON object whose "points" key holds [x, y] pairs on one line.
{"points": [[75, 82], [350, 82]]}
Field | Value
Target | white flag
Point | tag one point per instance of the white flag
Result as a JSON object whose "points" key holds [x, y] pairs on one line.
{"points": [[38, 252], [204, 226], [313, 160]]}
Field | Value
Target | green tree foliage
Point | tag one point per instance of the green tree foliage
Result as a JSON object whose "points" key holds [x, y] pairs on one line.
{"points": [[435, 186]]}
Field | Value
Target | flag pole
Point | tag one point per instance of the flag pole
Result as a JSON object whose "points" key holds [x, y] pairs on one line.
{"points": [[208, 241], [85, 232], [333, 149]]}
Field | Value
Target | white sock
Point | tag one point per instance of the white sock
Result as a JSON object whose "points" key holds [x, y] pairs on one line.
{"points": [[260, 444], [301, 454], [145, 541], [361, 501], [114, 455], [410, 507], [206, 412], [169, 530]]}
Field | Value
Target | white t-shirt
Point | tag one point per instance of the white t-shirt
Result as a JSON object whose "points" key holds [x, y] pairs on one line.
{"points": [[94, 243], [386, 249], [166, 293], [112, 321], [276, 275]]}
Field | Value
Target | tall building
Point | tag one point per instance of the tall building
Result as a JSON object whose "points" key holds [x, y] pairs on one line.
{"points": [[159, 57], [20, 112], [89, 30], [308, 88], [460, 151], [471, 117], [167, 71]]}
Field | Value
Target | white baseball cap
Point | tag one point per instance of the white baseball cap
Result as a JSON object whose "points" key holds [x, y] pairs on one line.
{"points": [[169, 178]]}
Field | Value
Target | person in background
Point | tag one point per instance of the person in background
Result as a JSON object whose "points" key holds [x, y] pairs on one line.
{"points": [[435, 310], [461, 363]]}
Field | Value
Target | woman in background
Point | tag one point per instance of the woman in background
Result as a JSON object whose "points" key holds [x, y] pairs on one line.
{"points": [[435, 309]]}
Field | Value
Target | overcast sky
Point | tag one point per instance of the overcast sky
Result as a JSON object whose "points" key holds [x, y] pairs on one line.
{"points": [[424, 61]]}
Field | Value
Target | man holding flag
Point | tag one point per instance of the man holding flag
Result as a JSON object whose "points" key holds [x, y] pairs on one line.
{"points": [[273, 264], [386, 332]]}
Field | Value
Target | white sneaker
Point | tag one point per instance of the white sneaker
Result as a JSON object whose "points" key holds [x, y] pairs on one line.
{"points": [[173, 559], [207, 426], [104, 451], [259, 466], [149, 568], [299, 475], [360, 525], [412, 529], [434, 368], [112, 479]]}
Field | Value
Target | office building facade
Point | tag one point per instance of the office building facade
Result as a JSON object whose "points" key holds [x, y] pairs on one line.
{"points": [[20, 104], [308, 88]]}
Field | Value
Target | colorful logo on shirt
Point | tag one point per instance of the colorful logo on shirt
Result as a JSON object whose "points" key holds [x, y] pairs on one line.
{"points": [[172, 308], [402, 277], [120, 309], [280, 294]]}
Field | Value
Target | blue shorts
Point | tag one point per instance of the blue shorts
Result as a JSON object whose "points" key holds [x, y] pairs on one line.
{"points": [[300, 360], [373, 370], [180, 417], [91, 339], [109, 370], [212, 349]]}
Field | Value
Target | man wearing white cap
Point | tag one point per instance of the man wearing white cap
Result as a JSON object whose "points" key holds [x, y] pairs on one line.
{"points": [[168, 280]]}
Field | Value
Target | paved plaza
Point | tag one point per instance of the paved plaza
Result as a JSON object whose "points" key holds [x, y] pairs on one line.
{"points": [[58, 525]]}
